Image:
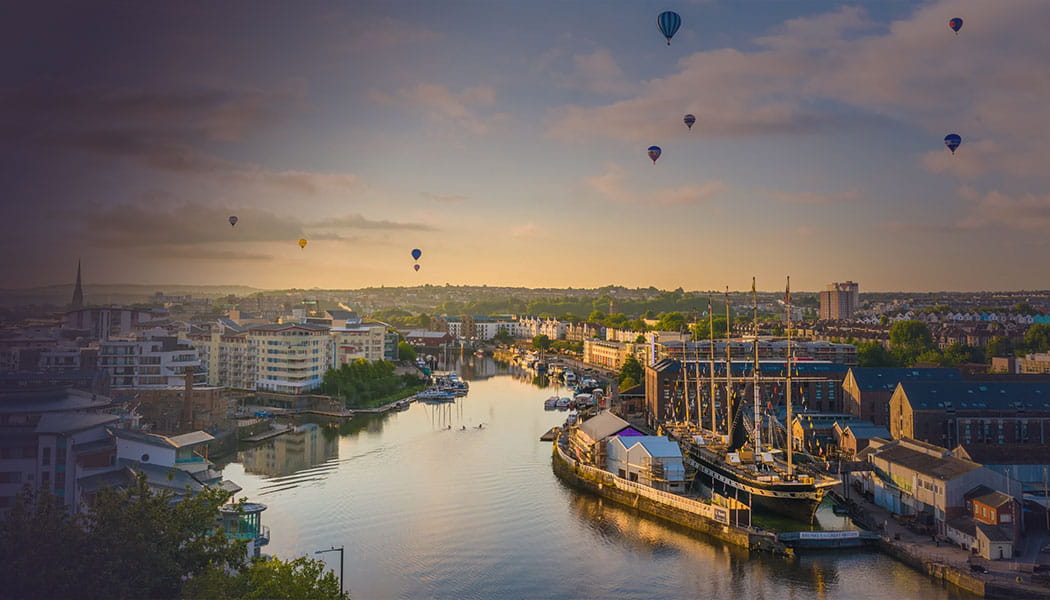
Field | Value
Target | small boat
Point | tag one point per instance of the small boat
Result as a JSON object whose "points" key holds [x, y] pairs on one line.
{"points": [[551, 403], [563, 403]]}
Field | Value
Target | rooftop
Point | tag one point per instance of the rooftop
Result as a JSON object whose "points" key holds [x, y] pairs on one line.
{"points": [[979, 395], [944, 468], [655, 446], [603, 425], [886, 379], [72, 422]]}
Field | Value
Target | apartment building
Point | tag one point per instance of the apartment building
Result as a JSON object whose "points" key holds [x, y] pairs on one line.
{"points": [[291, 358], [149, 362], [838, 301]]}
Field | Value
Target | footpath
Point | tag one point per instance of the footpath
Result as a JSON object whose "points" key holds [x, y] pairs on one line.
{"points": [[944, 560]]}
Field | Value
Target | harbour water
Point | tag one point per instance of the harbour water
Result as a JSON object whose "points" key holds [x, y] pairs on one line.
{"points": [[428, 509]]}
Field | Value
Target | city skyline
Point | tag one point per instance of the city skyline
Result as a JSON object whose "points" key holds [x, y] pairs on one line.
{"points": [[508, 143]]}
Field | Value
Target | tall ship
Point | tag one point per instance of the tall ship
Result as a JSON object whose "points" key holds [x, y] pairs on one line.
{"points": [[733, 461]]}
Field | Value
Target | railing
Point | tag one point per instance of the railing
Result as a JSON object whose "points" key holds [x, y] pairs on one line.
{"points": [[710, 511]]}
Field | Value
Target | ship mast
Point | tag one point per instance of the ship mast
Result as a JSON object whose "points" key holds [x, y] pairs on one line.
{"points": [[757, 414], [696, 353], [711, 353], [787, 396], [729, 373]]}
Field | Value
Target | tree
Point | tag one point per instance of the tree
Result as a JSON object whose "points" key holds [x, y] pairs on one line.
{"points": [[631, 369], [503, 337], [1037, 338], [269, 578], [596, 316], [405, 351], [640, 339], [909, 339], [541, 342], [997, 346], [132, 543], [672, 321], [874, 354]]}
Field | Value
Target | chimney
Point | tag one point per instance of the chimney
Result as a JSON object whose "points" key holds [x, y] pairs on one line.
{"points": [[187, 400]]}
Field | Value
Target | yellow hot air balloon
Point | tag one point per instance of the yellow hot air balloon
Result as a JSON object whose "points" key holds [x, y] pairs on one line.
{"points": [[302, 242]]}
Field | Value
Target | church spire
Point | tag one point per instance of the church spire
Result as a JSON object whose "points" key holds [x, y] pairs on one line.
{"points": [[78, 292]]}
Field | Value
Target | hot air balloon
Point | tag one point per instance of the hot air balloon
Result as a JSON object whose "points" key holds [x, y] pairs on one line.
{"points": [[416, 267], [416, 253], [654, 153], [302, 242], [689, 120], [955, 24], [233, 221], [668, 22], [952, 140]]}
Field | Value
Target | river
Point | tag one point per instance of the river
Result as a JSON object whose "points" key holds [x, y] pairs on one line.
{"points": [[425, 511]]}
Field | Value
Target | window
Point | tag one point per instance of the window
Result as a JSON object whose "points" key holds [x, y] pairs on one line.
{"points": [[47, 457]]}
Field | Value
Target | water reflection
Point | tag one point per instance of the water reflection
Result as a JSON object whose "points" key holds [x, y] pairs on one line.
{"points": [[428, 512], [305, 446]]}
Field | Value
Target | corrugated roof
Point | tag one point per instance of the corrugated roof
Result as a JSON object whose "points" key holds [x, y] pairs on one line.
{"points": [[603, 425], [993, 499], [191, 439], [993, 533], [886, 379], [287, 326], [865, 432], [943, 468], [657, 446], [1008, 454], [977, 395]]}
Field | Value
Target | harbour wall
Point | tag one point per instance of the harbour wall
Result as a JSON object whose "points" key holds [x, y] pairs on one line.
{"points": [[698, 516]]}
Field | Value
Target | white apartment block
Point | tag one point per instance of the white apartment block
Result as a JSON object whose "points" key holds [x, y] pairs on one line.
{"points": [[149, 363], [291, 358], [228, 357]]}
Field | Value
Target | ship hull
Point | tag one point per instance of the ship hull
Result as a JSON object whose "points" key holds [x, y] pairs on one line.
{"points": [[793, 500]]}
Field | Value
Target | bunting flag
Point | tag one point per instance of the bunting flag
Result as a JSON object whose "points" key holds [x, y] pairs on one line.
{"points": [[787, 292]]}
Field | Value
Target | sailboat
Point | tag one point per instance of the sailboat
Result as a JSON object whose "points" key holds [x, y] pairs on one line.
{"points": [[736, 463]]}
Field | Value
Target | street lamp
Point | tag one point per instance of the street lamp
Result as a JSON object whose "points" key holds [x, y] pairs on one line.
{"points": [[340, 551]]}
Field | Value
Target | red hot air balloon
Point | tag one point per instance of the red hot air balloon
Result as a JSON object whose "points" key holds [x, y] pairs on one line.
{"points": [[416, 267]]}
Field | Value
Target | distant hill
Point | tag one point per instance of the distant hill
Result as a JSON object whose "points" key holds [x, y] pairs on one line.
{"points": [[117, 293]]}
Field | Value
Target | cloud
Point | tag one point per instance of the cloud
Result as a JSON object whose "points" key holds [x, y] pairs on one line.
{"points": [[195, 230], [613, 186], [527, 230], [1025, 212], [162, 130], [597, 72], [833, 70], [356, 221], [386, 33], [449, 198], [849, 196], [463, 110]]}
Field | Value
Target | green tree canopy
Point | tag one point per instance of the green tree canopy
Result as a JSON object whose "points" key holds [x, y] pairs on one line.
{"points": [[672, 321], [268, 578], [874, 354], [1037, 338], [909, 339], [405, 351], [631, 369], [541, 342], [997, 346], [503, 337]]}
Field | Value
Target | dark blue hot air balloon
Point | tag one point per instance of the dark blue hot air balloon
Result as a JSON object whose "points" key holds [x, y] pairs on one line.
{"points": [[233, 220], [654, 153], [417, 253], [689, 120], [955, 24], [952, 140], [668, 22]]}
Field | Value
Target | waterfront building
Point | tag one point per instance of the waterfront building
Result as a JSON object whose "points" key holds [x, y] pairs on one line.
{"points": [[360, 340], [653, 461], [838, 301], [587, 440], [868, 389], [918, 479], [1026, 463], [428, 339], [769, 348], [971, 412], [852, 437], [291, 358], [815, 432], [817, 386], [610, 355], [578, 332], [149, 362], [228, 355]]}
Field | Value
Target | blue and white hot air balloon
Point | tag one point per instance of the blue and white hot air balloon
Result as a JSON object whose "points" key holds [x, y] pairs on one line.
{"points": [[654, 153], [669, 22], [952, 141]]}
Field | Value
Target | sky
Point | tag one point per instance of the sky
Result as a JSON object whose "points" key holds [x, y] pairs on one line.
{"points": [[507, 141]]}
